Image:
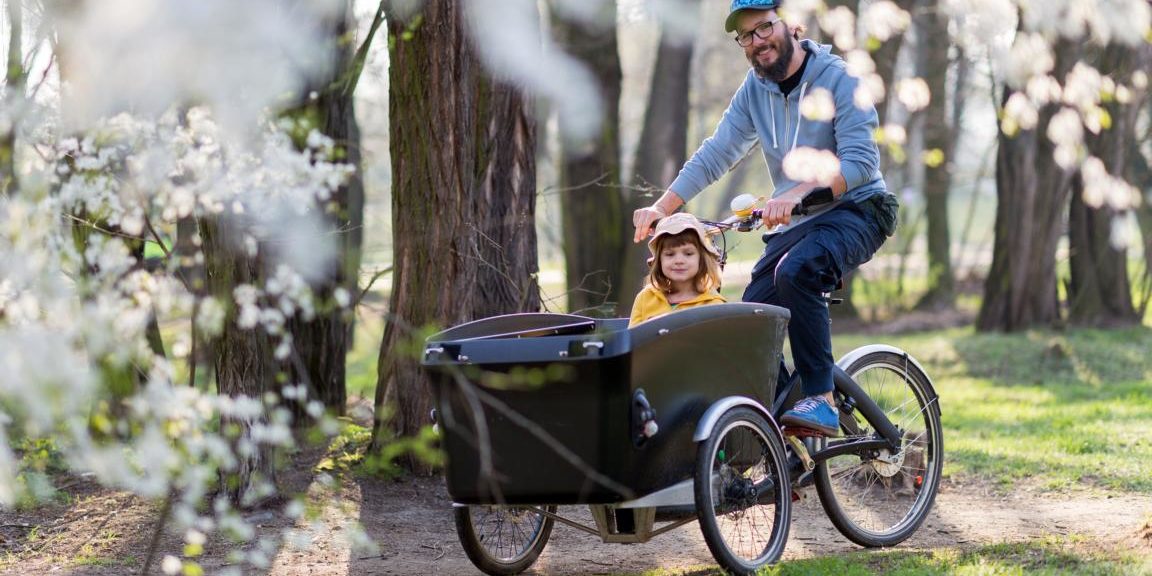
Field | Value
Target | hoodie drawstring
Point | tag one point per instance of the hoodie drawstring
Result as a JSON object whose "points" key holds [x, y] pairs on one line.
{"points": [[772, 115], [799, 116]]}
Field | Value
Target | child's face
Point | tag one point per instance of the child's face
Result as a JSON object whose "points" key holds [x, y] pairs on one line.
{"points": [[680, 263]]}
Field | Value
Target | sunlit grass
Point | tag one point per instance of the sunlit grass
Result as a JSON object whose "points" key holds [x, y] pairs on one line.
{"points": [[1049, 410], [1046, 557]]}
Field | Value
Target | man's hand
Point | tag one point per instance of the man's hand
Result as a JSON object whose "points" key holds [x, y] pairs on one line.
{"points": [[779, 210], [644, 219]]}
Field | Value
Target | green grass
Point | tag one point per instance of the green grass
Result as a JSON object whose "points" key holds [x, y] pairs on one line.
{"points": [[1046, 557], [1043, 557], [1049, 410], [362, 358]]}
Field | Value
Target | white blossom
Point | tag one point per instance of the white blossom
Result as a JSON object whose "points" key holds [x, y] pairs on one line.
{"points": [[812, 165], [818, 105], [210, 319], [171, 565], [913, 93], [884, 19], [1019, 114], [840, 24], [1044, 89], [1029, 57]]}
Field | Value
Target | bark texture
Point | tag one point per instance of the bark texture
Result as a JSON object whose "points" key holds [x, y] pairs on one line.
{"points": [[463, 200], [591, 200], [1032, 194]]}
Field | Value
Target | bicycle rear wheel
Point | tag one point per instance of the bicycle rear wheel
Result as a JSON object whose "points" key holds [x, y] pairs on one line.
{"points": [[503, 540], [743, 497], [880, 498]]}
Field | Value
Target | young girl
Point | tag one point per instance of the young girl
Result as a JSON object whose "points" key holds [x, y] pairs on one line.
{"points": [[685, 270]]}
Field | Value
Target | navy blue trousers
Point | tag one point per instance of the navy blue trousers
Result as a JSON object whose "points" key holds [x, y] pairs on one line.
{"points": [[800, 265]]}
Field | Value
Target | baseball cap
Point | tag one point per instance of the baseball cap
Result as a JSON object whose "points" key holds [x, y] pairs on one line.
{"points": [[738, 5], [678, 223]]}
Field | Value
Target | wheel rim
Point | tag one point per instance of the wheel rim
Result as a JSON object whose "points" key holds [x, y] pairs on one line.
{"points": [[743, 492], [507, 534], [885, 493]]}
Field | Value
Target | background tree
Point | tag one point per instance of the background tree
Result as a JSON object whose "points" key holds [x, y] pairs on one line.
{"points": [[932, 64], [243, 356], [1032, 193], [662, 149], [1099, 292], [885, 54], [14, 79], [463, 182], [592, 204], [1139, 172], [321, 343]]}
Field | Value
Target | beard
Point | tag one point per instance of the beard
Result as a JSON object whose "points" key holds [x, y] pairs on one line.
{"points": [[776, 71]]}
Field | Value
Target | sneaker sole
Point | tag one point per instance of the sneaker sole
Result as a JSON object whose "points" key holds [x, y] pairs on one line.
{"points": [[800, 423]]}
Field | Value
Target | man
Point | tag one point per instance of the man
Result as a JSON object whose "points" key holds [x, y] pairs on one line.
{"points": [[807, 255]]}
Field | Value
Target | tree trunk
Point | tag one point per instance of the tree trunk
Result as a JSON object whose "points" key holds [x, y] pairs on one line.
{"points": [[1032, 194], [932, 65], [243, 360], [1139, 173], [885, 57], [321, 345], [463, 186], [593, 206], [14, 93], [1099, 292], [663, 145], [506, 199]]}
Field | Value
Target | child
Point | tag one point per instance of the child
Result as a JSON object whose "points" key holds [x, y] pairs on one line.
{"points": [[685, 269]]}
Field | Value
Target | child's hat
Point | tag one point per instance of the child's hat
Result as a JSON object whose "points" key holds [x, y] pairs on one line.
{"points": [[677, 223]]}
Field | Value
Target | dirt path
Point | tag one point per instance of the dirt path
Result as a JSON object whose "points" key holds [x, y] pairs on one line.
{"points": [[424, 541], [104, 534]]}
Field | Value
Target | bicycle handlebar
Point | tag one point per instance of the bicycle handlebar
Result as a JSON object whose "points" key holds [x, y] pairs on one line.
{"points": [[752, 219]]}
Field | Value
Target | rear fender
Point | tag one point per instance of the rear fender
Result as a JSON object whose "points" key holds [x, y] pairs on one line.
{"points": [[845, 361], [712, 415]]}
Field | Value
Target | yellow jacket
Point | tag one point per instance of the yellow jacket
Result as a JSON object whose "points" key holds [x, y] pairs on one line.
{"points": [[651, 302]]}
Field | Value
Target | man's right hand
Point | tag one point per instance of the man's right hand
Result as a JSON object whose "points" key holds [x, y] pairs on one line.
{"points": [[644, 220]]}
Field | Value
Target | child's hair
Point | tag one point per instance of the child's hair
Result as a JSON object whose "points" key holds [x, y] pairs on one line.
{"points": [[708, 275]]}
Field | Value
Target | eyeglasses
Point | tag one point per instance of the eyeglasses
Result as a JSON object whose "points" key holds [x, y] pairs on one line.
{"points": [[762, 31]]}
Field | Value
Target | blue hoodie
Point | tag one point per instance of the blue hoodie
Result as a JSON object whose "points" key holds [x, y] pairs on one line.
{"points": [[759, 112]]}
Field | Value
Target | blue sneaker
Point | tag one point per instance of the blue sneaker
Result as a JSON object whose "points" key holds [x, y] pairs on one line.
{"points": [[813, 412]]}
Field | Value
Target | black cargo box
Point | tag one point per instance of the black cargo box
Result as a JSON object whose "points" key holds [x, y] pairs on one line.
{"points": [[550, 401]]}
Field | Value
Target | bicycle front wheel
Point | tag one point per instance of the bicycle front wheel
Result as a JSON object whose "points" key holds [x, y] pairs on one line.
{"points": [[880, 498], [503, 540]]}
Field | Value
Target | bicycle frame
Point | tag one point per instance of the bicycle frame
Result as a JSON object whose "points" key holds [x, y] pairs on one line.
{"points": [[788, 391], [890, 436]]}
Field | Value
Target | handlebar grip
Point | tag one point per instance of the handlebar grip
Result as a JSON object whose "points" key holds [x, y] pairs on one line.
{"points": [[817, 197]]}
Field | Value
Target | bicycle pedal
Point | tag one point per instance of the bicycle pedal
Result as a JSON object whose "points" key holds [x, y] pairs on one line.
{"points": [[801, 432]]}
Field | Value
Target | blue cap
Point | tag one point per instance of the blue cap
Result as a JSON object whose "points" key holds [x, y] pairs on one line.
{"points": [[738, 5]]}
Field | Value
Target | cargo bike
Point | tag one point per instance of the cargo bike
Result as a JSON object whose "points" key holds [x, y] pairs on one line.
{"points": [[668, 422]]}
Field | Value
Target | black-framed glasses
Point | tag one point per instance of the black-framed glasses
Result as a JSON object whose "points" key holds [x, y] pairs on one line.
{"points": [[762, 31]]}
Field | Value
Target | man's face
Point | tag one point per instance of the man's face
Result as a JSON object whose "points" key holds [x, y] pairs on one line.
{"points": [[769, 57]]}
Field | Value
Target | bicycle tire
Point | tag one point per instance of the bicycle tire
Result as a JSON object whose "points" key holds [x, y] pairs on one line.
{"points": [[742, 492], [503, 540], [881, 501]]}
